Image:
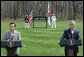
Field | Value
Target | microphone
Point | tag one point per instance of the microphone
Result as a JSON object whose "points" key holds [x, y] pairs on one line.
{"points": [[12, 36]]}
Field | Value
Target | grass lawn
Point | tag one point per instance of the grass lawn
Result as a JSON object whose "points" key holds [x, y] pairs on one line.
{"points": [[41, 41]]}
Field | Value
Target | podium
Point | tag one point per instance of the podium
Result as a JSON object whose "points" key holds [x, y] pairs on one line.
{"points": [[11, 46], [70, 44]]}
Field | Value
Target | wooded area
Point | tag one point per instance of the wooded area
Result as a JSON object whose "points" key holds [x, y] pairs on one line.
{"points": [[64, 10]]}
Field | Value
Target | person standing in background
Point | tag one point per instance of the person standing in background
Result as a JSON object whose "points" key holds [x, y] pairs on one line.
{"points": [[53, 20], [26, 22]]}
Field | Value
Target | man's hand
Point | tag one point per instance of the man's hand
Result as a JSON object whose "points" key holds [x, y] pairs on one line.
{"points": [[59, 43]]}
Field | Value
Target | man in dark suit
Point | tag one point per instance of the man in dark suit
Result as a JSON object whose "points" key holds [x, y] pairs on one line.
{"points": [[68, 33]]}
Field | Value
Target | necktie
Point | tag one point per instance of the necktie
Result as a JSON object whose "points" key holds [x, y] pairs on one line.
{"points": [[72, 34]]}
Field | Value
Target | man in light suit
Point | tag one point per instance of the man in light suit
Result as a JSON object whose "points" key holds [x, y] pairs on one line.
{"points": [[13, 34], [72, 32]]}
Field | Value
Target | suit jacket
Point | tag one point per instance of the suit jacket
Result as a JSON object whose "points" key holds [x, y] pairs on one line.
{"points": [[67, 34], [26, 20], [16, 37]]}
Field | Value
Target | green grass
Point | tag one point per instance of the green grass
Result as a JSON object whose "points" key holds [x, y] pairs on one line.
{"points": [[40, 23], [41, 41]]}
